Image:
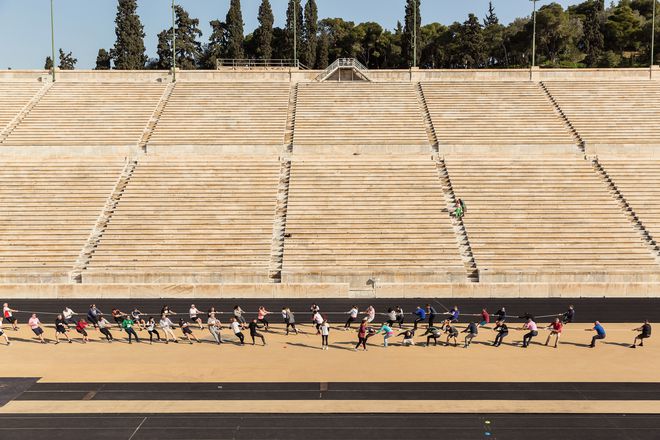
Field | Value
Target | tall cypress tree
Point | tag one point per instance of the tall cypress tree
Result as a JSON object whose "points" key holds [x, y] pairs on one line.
{"points": [[129, 51], [294, 6], [593, 41], [323, 56], [164, 50], [310, 33], [48, 65], [103, 60], [407, 40], [234, 31], [216, 48], [264, 33]]}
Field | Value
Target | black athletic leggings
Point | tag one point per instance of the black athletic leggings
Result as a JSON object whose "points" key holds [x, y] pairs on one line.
{"points": [[292, 325], [240, 337], [131, 333], [106, 333], [349, 321], [595, 338], [263, 321], [428, 339], [152, 333], [324, 339], [362, 342], [257, 335]]}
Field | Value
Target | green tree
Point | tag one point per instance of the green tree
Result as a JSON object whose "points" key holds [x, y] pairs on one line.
{"points": [[323, 56], [369, 35], [493, 33], [234, 31], [558, 34], [491, 17], [215, 49], [471, 43], [310, 34], [164, 50], [188, 48], [128, 52], [593, 41], [412, 24], [622, 31], [67, 61], [264, 33], [48, 65], [294, 15], [103, 60]]}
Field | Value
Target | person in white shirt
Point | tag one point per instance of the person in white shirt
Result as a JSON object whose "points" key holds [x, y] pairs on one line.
{"points": [[371, 314], [104, 328], [67, 313], [166, 324], [237, 329], [8, 315], [151, 328], [194, 316], [238, 314], [318, 320], [214, 329], [352, 316], [325, 332]]}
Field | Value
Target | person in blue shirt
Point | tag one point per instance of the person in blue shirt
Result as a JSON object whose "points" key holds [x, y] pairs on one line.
{"points": [[454, 314], [421, 316], [600, 333]]}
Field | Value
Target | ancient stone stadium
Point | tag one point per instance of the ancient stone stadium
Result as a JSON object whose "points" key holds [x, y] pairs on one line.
{"points": [[397, 195]]}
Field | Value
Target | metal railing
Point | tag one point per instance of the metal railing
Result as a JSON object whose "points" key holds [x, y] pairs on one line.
{"points": [[233, 63], [343, 63]]}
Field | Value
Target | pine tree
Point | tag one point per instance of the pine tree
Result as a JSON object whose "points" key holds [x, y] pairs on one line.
{"points": [[164, 50], [491, 18], [234, 31], [67, 61], [215, 49], [48, 65], [103, 60], [128, 52], [593, 41], [294, 6], [188, 48], [264, 33], [407, 41], [472, 46], [310, 33]]}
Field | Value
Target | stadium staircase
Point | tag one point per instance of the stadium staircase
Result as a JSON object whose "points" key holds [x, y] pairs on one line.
{"points": [[153, 121], [102, 222], [291, 118], [628, 210], [22, 89], [462, 238], [428, 122], [569, 125], [343, 64], [279, 225]]}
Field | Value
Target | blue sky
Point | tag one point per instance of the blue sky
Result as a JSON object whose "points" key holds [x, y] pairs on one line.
{"points": [[84, 26]]}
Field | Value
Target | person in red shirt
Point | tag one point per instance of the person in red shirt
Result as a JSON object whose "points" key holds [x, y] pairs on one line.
{"points": [[485, 318], [362, 335], [80, 328], [555, 330]]}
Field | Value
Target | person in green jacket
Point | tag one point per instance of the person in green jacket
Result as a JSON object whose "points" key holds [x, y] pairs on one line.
{"points": [[127, 325]]}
